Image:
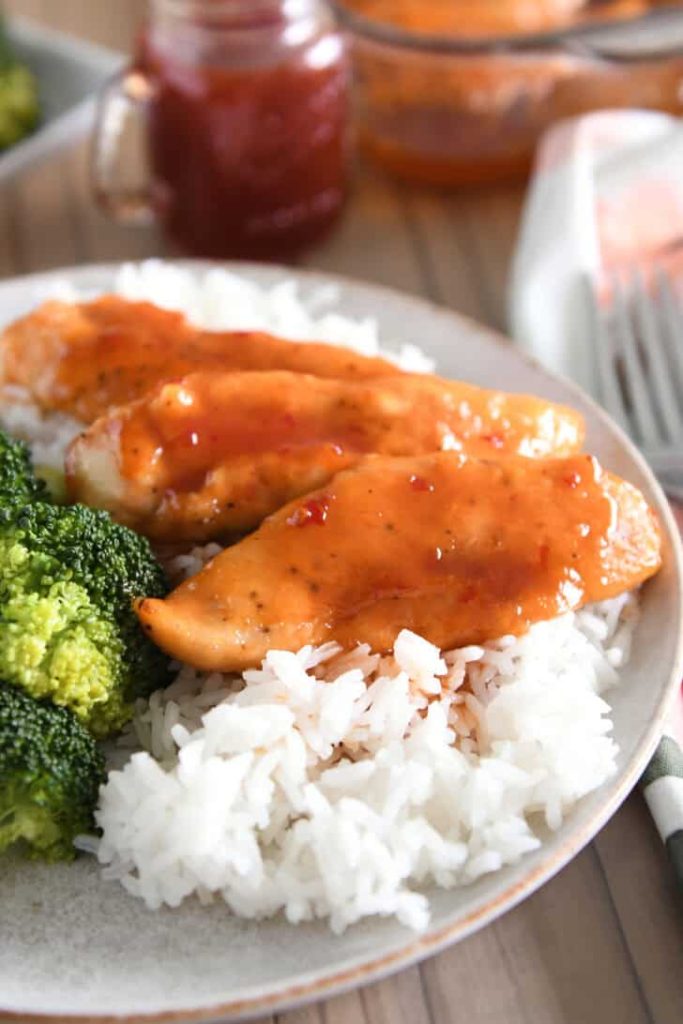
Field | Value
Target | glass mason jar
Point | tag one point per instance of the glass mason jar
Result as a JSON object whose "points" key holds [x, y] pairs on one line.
{"points": [[245, 104]]}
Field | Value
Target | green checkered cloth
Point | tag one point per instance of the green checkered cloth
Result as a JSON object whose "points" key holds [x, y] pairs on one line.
{"points": [[662, 786]]}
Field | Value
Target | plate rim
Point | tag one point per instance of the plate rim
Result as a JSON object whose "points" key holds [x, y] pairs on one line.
{"points": [[416, 949]]}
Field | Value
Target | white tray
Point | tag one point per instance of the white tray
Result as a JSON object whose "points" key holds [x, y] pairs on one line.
{"points": [[70, 73]]}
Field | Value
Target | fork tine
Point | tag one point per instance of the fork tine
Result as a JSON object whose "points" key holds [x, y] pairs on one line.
{"points": [[673, 319], [641, 404], [608, 382], [655, 338]]}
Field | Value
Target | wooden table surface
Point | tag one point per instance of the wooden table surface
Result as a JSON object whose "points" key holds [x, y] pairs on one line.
{"points": [[603, 942]]}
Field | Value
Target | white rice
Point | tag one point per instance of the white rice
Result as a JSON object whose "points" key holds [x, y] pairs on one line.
{"points": [[339, 784], [48, 434], [219, 300], [329, 784]]}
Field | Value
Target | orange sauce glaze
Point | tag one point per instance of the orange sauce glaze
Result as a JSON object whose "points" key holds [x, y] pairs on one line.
{"points": [[190, 426], [477, 550], [466, 18], [83, 359], [216, 453]]}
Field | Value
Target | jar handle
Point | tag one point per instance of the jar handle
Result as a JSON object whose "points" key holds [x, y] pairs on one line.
{"points": [[129, 92]]}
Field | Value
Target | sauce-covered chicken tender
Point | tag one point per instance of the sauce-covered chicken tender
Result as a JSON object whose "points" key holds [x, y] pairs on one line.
{"points": [[216, 453], [458, 550], [83, 359]]}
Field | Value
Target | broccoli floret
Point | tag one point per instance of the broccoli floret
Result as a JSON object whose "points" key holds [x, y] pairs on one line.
{"points": [[18, 483], [68, 576], [50, 773], [19, 102], [19, 105], [54, 482]]}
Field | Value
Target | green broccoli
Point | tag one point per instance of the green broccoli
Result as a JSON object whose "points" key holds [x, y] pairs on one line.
{"points": [[68, 576], [55, 484], [18, 482], [19, 103], [50, 773]]}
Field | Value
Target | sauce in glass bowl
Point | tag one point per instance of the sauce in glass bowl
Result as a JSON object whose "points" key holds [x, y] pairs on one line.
{"points": [[247, 124], [457, 92], [469, 18]]}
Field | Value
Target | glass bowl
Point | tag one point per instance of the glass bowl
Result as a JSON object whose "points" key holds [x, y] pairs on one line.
{"points": [[451, 110]]}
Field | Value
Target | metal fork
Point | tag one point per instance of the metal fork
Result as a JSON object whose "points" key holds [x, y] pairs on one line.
{"points": [[639, 364]]}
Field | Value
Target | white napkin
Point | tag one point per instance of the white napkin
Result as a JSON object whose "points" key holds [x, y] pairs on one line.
{"points": [[607, 187], [607, 190]]}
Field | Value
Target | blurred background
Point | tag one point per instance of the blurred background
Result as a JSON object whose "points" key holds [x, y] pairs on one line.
{"points": [[397, 149], [417, 180], [112, 24]]}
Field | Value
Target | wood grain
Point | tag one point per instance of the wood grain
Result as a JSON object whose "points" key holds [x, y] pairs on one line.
{"points": [[603, 942]]}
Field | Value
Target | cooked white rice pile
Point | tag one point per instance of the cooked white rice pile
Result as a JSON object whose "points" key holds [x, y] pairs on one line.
{"points": [[330, 784], [47, 433]]}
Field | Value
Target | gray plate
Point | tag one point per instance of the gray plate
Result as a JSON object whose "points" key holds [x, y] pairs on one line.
{"points": [[70, 73], [75, 948]]}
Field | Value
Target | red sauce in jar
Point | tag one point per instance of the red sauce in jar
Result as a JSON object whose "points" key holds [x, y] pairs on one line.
{"points": [[248, 158]]}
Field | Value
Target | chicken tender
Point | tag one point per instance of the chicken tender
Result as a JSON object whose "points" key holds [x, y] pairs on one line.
{"points": [[217, 453], [83, 359], [460, 551]]}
